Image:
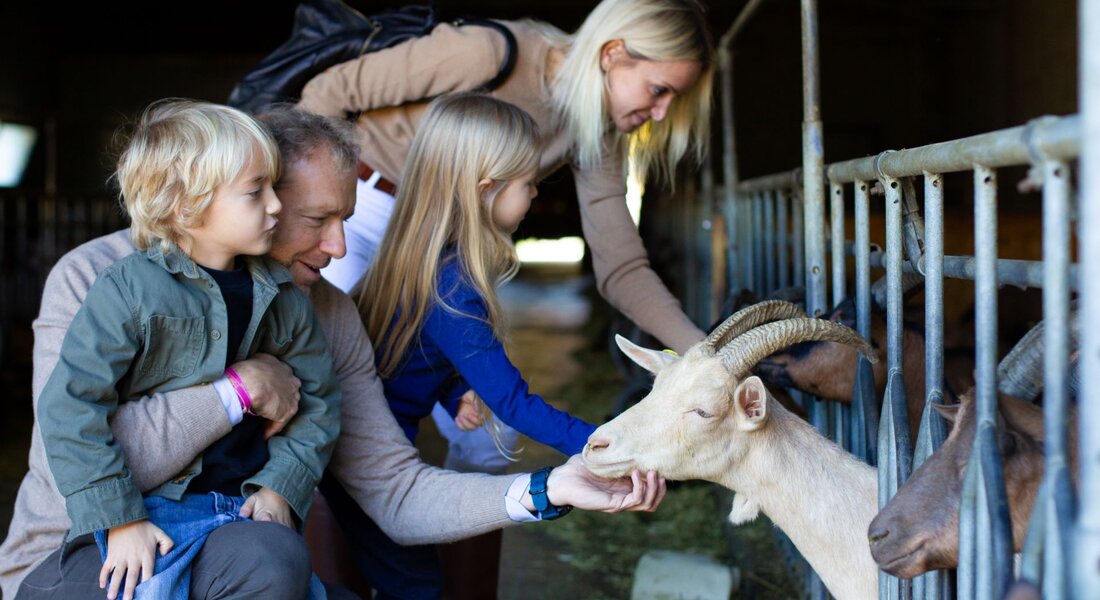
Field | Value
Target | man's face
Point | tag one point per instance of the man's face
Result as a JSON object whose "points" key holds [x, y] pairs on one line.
{"points": [[317, 199]]}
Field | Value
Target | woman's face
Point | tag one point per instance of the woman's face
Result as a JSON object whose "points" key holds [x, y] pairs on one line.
{"points": [[639, 90]]}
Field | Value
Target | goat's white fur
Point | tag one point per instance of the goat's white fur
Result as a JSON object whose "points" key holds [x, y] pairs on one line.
{"points": [[743, 510], [688, 428]]}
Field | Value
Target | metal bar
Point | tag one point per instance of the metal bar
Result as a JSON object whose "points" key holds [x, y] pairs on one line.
{"points": [[813, 165], [783, 237], [864, 402], [1022, 273], [739, 23], [758, 243], [770, 237], [1057, 504], [932, 431], [987, 568], [798, 239], [747, 242], [737, 276], [1086, 582], [1054, 137], [776, 181], [895, 466], [704, 247], [836, 213]]}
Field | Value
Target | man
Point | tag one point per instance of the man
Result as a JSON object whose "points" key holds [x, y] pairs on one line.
{"points": [[373, 461]]}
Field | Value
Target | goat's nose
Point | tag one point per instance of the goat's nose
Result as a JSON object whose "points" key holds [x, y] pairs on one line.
{"points": [[597, 443], [877, 533]]}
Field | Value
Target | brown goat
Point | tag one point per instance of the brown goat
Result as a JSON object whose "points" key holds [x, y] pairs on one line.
{"points": [[827, 370], [918, 530]]}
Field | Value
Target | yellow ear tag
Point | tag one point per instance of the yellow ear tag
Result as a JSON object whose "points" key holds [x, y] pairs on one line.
{"points": [[670, 351]]}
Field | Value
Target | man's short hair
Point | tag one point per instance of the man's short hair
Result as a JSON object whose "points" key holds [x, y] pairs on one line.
{"points": [[180, 151], [300, 134]]}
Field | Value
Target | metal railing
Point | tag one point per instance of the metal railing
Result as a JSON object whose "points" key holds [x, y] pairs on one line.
{"points": [[776, 235]]}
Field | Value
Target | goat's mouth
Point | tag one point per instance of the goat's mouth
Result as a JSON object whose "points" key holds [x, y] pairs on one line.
{"points": [[603, 468], [903, 563]]}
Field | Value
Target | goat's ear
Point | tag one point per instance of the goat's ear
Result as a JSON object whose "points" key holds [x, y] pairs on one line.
{"points": [[750, 400], [948, 411], [650, 360]]}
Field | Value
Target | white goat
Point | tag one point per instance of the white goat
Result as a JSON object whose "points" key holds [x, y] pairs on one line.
{"points": [[703, 421]]}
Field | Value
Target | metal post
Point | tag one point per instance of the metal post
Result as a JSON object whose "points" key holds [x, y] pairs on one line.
{"points": [[985, 550], [813, 165], [770, 238], [783, 237], [895, 454], [836, 200], [737, 276], [798, 239], [706, 240], [1086, 553], [758, 283], [932, 433], [864, 401]]}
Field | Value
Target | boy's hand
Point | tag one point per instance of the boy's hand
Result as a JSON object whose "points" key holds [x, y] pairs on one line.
{"points": [[131, 550], [267, 505], [469, 415]]}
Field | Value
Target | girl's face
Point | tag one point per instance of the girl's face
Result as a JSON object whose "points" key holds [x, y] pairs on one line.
{"points": [[639, 90], [513, 201], [240, 219]]}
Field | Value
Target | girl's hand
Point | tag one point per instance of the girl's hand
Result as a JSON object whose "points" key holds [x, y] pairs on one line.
{"points": [[572, 484], [131, 550], [469, 415], [267, 505]]}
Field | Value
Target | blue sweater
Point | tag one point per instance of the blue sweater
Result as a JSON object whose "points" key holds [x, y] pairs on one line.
{"points": [[458, 351]]}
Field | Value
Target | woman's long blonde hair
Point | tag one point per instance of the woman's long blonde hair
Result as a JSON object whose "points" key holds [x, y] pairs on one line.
{"points": [[659, 30], [462, 140]]}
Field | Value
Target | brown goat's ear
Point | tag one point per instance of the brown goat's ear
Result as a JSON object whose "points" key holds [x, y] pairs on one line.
{"points": [[750, 400], [650, 360], [948, 411]]}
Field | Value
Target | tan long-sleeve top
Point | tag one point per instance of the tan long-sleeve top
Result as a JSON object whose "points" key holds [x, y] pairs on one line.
{"points": [[387, 87]]}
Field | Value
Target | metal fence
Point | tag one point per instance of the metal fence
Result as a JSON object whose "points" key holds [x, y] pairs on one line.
{"points": [[776, 234]]}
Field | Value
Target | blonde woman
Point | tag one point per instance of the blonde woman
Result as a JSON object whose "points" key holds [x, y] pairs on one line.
{"points": [[634, 81]]}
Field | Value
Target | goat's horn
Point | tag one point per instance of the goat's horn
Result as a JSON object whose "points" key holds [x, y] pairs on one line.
{"points": [[1020, 372], [747, 350], [750, 317], [908, 282]]}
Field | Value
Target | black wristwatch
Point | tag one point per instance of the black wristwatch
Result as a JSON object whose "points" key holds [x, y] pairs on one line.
{"points": [[543, 509]]}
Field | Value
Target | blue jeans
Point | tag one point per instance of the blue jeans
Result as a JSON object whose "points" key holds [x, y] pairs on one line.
{"points": [[188, 522]]}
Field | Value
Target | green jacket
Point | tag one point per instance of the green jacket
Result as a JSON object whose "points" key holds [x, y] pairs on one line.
{"points": [[155, 322]]}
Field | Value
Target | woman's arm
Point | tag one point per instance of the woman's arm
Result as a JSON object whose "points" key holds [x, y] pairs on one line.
{"points": [[623, 273], [446, 60]]}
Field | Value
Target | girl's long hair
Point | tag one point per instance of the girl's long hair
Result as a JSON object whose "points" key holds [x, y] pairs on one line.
{"points": [[658, 30], [463, 139]]}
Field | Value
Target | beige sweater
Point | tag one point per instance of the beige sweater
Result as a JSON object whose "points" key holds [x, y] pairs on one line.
{"points": [[160, 435], [383, 85]]}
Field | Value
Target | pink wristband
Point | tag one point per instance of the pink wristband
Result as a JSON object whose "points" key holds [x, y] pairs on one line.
{"points": [[242, 392]]}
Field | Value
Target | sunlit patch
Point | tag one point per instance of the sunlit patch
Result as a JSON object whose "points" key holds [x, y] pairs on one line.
{"points": [[566, 250], [16, 143]]}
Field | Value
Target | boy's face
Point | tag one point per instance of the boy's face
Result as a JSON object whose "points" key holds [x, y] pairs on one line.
{"points": [[317, 199], [239, 221]]}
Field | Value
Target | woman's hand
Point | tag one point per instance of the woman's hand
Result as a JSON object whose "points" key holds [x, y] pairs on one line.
{"points": [[267, 505], [573, 485], [131, 551], [469, 415]]}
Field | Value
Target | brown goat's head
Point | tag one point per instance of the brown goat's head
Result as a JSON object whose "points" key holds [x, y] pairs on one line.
{"points": [[822, 368], [918, 530], [695, 422]]}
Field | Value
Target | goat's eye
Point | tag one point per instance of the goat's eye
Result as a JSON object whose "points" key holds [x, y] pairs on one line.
{"points": [[702, 413]]}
